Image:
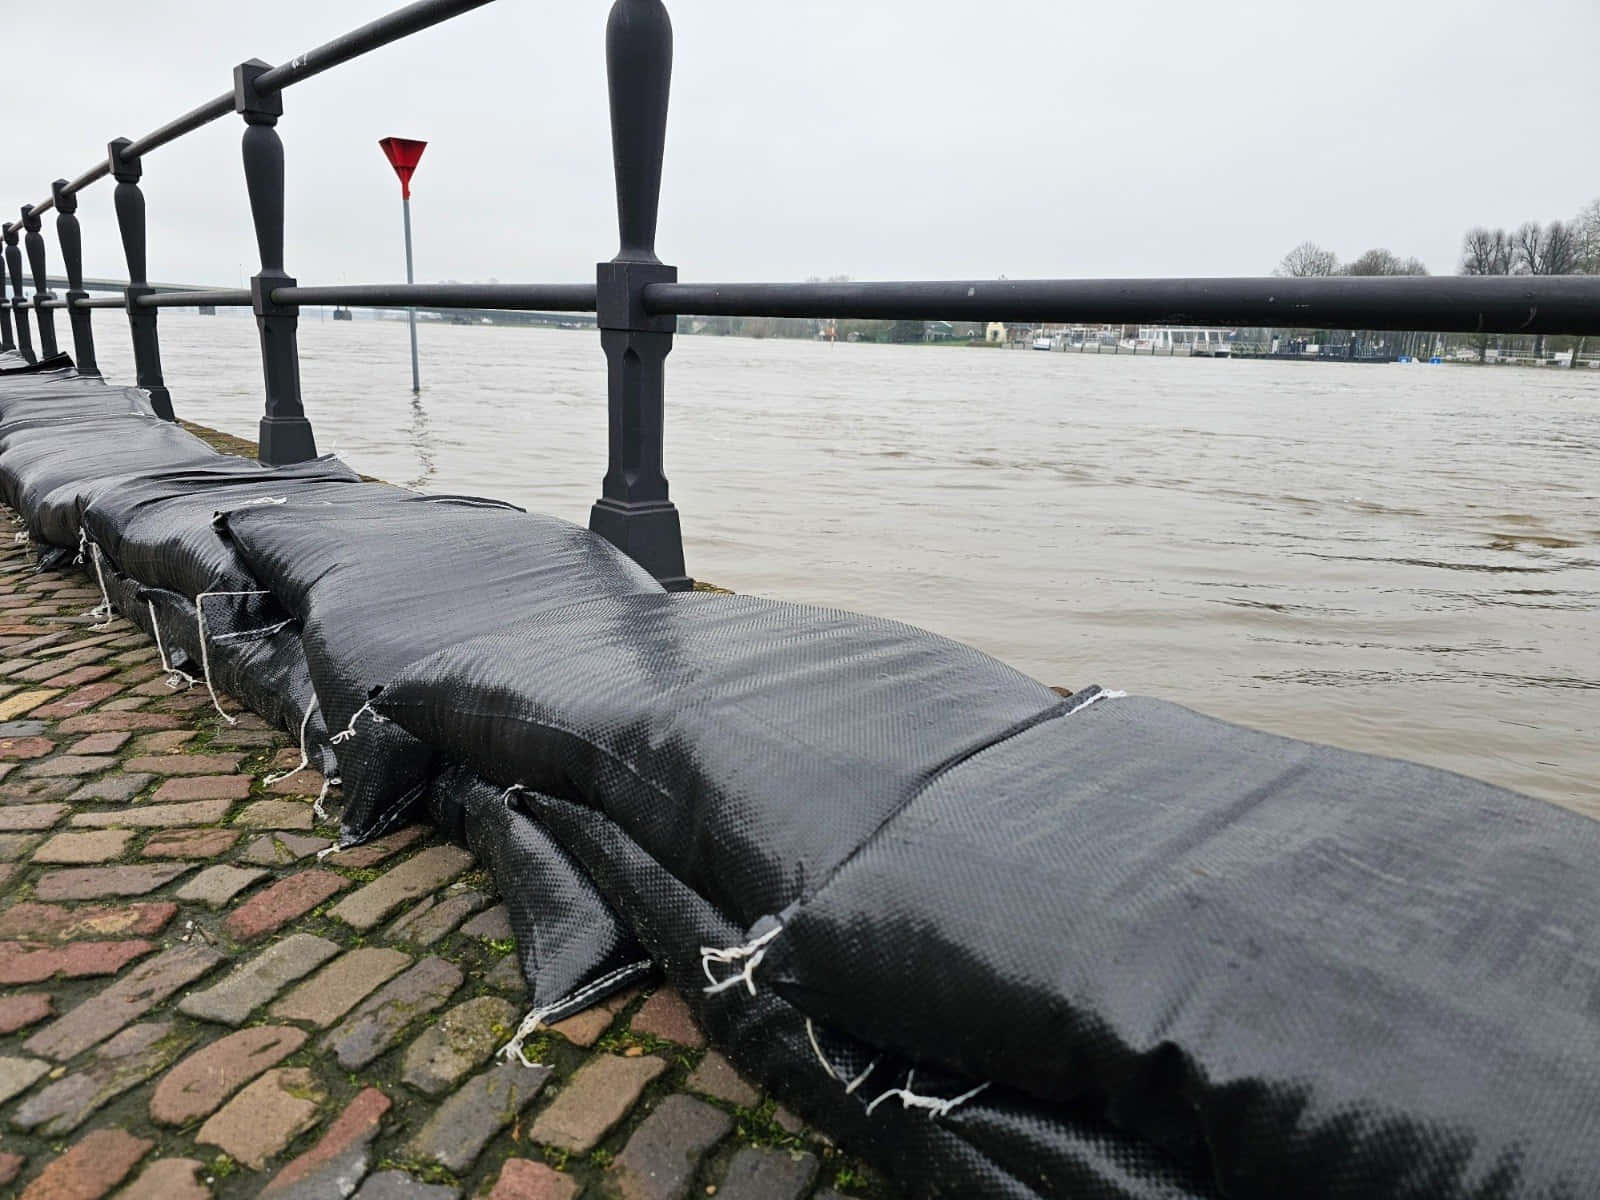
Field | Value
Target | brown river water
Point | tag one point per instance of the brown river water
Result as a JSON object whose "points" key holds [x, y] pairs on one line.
{"points": [[1397, 559]]}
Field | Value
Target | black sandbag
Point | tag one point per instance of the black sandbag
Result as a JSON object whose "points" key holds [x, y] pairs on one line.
{"points": [[993, 1144], [72, 400], [1303, 970], [379, 584], [573, 950], [160, 527], [43, 468], [55, 362], [262, 668], [748, 745]]}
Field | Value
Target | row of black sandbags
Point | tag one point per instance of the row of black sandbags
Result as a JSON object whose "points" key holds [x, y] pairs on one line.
{"points": [[1010, 944]]}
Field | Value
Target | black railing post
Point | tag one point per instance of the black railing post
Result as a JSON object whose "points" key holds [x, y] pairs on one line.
{"points": [[141, 321], [19, 306], [41, 289], [634, 511], [71, 239], [285, 433], [7, 342]]}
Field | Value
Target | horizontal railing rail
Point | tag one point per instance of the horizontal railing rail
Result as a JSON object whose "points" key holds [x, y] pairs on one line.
{"points": [[637, 300]]}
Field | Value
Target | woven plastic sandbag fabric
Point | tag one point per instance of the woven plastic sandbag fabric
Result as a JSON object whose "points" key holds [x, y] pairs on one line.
{"points": [[748, 745], [573, 950], [1304, 971], [379, 584], [65, 401], [996, 1144], [260, 667], [55, 364], [160, 527], [42, 469]]}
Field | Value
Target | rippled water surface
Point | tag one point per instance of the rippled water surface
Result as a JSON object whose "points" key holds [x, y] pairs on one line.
{"points": [[1404, 560]]}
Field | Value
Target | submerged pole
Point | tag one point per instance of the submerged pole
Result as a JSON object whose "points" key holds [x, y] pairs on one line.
{"points": [[411, 313], [404, 154]]}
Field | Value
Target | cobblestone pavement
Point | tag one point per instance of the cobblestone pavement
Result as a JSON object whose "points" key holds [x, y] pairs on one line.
{"points": [[193, 1004]]}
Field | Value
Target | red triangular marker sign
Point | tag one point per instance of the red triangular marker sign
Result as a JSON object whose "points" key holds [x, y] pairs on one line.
{"points": [[404, 155]]}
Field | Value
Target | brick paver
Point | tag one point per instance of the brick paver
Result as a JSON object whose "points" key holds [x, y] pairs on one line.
{"points": [[192, 1005]]}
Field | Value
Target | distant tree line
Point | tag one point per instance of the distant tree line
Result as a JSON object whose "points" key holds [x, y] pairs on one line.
{"points": [[1558, 248]]}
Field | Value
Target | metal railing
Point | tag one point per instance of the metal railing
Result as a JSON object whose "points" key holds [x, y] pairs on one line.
{"points": [[636, 297]]}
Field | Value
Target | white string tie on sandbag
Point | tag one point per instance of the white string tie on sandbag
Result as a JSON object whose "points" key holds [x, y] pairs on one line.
{"points": [[932, 1105], [317, 809], [205, 657], [850, 1085], [105, 612], [577, 1002], [175, 677], [83, 543], [349, 732], [265, 500], [305, 757], [750, 954]]}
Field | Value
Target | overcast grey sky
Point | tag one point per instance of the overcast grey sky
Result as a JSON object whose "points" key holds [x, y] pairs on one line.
{"points": [[889, 139]]}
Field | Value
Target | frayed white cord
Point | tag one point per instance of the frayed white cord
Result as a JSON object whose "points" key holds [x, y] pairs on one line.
{"points": [[103, 613], [349, 732], [933, 1105], [264, 632], [205, 656], [265, 500], [531, 1023], [83, 540], [174, 676], [750, 954], [850, 1088], [317, 810], [305, 757], [21, 539]]}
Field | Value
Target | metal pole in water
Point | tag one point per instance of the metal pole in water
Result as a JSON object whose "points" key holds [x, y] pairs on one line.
{"points": [[411, 313], [404, 154]]}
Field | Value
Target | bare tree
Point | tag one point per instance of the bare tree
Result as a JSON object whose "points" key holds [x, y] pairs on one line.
{"points": [[1588, 233], [1308, 260], [1486, 252], [1551, 249], [1384, 262]]}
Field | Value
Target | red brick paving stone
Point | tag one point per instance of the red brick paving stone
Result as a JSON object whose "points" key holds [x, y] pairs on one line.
{"points": [[101, 846], [117, 789], [491, 926], [168, 1179], [600, 1093], [264, 1118], [94, 883], [15, 706], [61, 923], [97, 722], [163, 741], [523, 1179], [74, 704], [250, 985], [430, 921], [89, 1170], [306, 783], [585, 1029], [185, 764], [382, 1019], [462, 1125], [280, 849], [716, 1077], [19, 817], [99, 743], [340, 986], [198, 1085], [460, 1043], [15, 846], [417, 876], [37, 791], [123, 1002], [661, 1158], [79, 676], [68, 764], [275, 814], [219, 884], [189, 843], [20, 1011], [17, 1075], [24, 963], [123, 704], [331, 1167], [26, 747], [156, 816], [203, 787], [665, 1015], [291, 897], [768, 1175], [123, 1063], [374, 852], [10, 1167]]}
